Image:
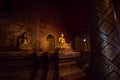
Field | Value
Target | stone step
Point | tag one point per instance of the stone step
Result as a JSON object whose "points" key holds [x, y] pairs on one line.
{"points": [[67, 63], [71, 73]]}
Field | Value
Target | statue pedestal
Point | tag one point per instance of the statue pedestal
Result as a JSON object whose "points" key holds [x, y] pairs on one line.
{"points": [[67, 52], [25, 47], [68, 69]]}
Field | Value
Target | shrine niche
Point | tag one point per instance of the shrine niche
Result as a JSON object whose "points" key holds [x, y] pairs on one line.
{"points": [[78, 43], [51, 43], [82, 43]]}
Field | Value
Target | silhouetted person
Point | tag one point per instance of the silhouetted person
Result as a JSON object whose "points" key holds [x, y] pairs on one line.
{"points": [[56, 63], [45, 66], [35, 66]]}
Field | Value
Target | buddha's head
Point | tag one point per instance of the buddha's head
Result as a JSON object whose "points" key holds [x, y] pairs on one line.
{"points": [[25, 34], [62, 35]]}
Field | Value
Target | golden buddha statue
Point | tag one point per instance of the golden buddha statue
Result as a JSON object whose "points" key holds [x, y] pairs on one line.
{"points": [[62, 42], [24, 42]]}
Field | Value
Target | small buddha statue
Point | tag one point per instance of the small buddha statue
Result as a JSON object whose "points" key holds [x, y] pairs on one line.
{"points": [[24, 42]]}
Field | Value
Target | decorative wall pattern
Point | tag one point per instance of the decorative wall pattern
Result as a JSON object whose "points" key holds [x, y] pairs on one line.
{"points": [[10, 30], [104, 38]]}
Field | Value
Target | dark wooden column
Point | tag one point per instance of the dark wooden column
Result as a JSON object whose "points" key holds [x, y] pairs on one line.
{"points": [[105, 41]]}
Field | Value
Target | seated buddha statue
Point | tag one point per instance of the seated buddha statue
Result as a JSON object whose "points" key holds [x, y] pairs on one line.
{"points": [[24, 42], [64, 47], [62, 42]]}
